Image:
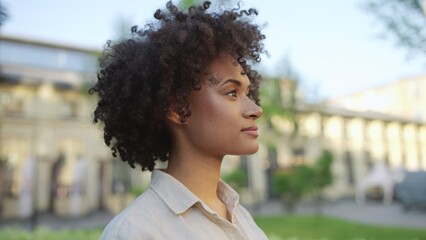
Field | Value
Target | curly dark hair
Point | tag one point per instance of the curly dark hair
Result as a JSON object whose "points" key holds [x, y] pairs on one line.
{"points": [[161, 64]]}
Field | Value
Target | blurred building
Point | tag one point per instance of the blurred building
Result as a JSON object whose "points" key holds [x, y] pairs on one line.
{"points": [[402, 133], [358, 141], [379, 125], [52, 156], [404, 98]]}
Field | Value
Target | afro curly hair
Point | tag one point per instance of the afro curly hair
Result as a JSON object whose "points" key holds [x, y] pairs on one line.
{"points": [[161, 64]]}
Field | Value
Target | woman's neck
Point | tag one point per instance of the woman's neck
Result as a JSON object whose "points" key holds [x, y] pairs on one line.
{"points": [[199, 174], [197, 169]]}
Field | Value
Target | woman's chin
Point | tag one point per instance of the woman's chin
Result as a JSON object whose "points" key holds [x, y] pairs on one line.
{"points": [[248, 150]]}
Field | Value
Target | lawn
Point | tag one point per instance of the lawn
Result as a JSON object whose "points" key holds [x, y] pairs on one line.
{"points": [[326, 228], [45, 234], [286, 228]]}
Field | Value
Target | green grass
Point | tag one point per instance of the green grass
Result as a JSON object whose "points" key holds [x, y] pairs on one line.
{"points": [[46, 234], [284, 227], [326, 228]]}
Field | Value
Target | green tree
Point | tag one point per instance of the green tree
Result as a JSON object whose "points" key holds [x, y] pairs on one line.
{"points": [[323, 177], [185, 4], [297, 181], [237, 179], [292, 184], [281, 97], [403, 20], [3, 14]]}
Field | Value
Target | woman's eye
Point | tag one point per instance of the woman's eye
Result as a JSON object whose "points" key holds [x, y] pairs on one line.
{"points": [[232, 93]]}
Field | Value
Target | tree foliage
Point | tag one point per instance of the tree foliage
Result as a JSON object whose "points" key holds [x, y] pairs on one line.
{"points": [[3, 14], [237, 179], [322, 170], [280, 96], [188, 3], [404, 20], [185, 4], [293, 183]]}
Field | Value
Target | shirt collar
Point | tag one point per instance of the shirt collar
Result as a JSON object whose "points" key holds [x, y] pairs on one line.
{"points": [[179, 198], [229, 196], [176, 196]]}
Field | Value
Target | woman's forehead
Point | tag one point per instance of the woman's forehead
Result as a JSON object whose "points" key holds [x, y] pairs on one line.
{"points": [[224, 67]]}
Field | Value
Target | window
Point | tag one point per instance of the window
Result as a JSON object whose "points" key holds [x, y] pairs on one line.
{"points": [[69, 109], [322, 124], [345, 128], [16, 165], [46, 57], [11, 103], [298, 155], [386, 159], [349, 168], [367, 160], [403, 158], [6, 178]]}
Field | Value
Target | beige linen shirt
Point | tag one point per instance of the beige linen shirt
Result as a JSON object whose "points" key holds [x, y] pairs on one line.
{"points": [[169, 210]]}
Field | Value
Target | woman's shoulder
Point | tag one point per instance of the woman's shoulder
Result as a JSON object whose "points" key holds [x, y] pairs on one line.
{"points": [[137, 220]]}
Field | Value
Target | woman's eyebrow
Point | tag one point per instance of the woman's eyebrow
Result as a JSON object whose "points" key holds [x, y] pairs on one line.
{"points": [[234, 81]]}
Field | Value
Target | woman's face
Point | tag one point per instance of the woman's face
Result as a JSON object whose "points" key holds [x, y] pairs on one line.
{"points": [[223, 117]]}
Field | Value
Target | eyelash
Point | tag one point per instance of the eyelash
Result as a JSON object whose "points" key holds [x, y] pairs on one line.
{"points": [[233, 93]]}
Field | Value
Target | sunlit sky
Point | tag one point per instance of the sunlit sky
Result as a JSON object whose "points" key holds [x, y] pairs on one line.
{"points": [[333, 45]]}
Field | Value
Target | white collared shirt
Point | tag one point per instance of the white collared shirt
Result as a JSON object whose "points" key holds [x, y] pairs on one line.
{"points": [[169, 210]]}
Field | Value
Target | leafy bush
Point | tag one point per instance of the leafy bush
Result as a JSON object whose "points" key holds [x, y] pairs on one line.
{"points": [[135, 191], [322, 169], [295, 182], [323, 177], [237, 179]]}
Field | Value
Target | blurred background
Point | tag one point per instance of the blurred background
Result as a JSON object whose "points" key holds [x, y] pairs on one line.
{"points": [[343, 132]]}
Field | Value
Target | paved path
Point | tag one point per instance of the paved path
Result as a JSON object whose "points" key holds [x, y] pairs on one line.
{"points": [[370, 213]]}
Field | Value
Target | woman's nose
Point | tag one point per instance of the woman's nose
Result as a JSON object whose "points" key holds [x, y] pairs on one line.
{"points": [[252, 110]]}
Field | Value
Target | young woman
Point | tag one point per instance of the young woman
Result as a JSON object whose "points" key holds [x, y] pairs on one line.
{"points": [[182, 90]]}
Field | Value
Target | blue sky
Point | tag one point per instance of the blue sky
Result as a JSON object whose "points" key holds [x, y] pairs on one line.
{"points": [[333, 44]]}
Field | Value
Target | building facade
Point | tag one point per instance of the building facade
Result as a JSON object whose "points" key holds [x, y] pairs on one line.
{"points": [[384, 125], [404, 98], [357, 140], [53, 158]]}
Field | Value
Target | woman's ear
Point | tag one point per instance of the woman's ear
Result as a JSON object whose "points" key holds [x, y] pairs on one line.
{"points": [[174, 117]]}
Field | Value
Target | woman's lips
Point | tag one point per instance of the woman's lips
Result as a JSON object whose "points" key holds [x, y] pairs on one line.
{"points": [[252, 131]]}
